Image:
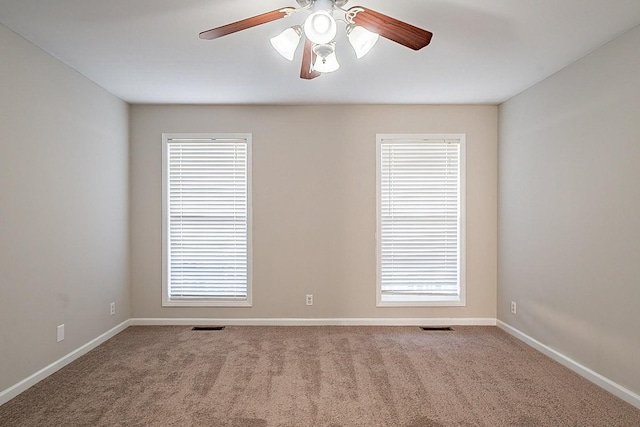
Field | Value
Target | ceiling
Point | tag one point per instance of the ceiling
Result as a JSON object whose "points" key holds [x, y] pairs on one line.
{"points": [[482, 52]]}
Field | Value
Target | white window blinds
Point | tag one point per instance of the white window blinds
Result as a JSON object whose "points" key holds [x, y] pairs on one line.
{"points": [[207, 225], [420, 220]]}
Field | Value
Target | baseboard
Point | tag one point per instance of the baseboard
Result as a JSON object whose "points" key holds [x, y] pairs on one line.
{"points": [[317, 322], [599, 380], [13, 391]]}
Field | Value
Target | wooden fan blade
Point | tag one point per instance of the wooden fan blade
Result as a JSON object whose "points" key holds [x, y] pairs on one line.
{"points": [[308, 58], [390, 28], [274, 15]]}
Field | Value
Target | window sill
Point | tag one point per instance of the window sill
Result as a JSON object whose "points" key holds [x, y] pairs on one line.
{"points": [[421, 302], [185, 302]]}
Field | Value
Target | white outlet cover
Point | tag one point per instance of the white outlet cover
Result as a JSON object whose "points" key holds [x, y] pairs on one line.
{"points": [[60, 332]]}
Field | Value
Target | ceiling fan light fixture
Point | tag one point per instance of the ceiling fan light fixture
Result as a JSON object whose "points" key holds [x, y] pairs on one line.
{"points": [[287, 41], [364, 27], [361, 39], [326, 59], [320, 27]]}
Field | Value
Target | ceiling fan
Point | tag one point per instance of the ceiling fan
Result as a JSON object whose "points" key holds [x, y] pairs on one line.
{"points": [[363, 28]]}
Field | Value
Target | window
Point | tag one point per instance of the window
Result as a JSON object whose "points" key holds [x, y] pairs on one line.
{"points": [[206, 220], [421, 220]]}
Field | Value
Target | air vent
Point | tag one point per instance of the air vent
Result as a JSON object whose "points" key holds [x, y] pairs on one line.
{"points": [[436, 328], [207, 328]]}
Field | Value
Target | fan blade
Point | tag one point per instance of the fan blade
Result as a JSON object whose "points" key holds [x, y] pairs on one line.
{"points": [[308, 58], [274, 15], [390, 28]]}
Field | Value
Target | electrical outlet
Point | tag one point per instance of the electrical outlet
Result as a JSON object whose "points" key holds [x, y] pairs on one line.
{"points": [[113, 308], [514, 308], [61, 332], [309, 299]]}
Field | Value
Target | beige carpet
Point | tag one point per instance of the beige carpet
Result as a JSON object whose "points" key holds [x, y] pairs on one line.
{"points": [[315, 376]]}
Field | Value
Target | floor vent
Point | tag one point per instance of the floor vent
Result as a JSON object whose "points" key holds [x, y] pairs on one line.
{"points": [[436, 328], [207, 328]]}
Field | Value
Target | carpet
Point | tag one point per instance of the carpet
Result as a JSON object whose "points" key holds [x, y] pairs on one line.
{"points": [[315, 376]]}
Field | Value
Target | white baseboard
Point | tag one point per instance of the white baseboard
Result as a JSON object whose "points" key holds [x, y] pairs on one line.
{"points": [[316, 322], [599, 380], [13, 391]]}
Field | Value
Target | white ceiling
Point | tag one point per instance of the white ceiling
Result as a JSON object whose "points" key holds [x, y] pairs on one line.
{"points": [[148, 51]]}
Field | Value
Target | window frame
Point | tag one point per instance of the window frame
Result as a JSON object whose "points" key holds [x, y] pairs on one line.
{"points": [[167, 300], [423, 300]]}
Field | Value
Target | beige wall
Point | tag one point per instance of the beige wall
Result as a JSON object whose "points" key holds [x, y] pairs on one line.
{"points": [[314, 192], [63, 209], [569, 211]]}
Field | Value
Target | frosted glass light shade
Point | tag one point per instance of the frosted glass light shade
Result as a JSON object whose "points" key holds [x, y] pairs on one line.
{"points": [[362, 40], [327, 64], [320, 27], [287, 42]]}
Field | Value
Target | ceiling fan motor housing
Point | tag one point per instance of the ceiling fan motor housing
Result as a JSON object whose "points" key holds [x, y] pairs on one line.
{"points": [[305, 3]]}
